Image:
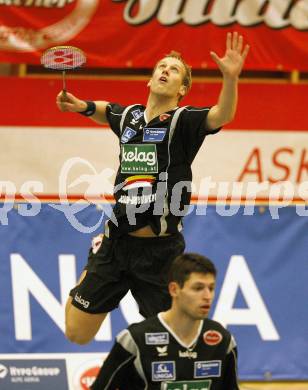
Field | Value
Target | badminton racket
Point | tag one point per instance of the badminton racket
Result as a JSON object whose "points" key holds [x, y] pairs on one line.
{"points": [[63, 58]]}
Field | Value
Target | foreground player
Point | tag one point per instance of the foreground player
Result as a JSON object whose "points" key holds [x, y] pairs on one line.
{"points": [[158, 143], [179, 348]]}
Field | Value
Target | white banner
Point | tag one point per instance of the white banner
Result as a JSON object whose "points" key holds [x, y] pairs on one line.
{"points": [[242, 164]]}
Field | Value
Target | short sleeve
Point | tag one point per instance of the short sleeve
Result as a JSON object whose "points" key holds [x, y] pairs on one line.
{"points": [[114, 114], [193, 129]]}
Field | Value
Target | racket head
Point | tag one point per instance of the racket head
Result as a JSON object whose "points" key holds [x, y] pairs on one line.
{"points": [[63, 58]]}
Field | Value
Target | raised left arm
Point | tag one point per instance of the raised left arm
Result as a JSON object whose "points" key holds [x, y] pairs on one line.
{"points": [[230, 66]]}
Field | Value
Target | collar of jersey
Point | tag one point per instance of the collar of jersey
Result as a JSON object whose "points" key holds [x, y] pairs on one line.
{"points": [[146, 119], [160, 317]]}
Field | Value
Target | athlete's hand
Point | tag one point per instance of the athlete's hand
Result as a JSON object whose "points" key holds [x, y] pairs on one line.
{"points": [[232, 63], [68, 102]]}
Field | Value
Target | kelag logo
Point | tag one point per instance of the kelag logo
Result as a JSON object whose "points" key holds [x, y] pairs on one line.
{"points": [[139, 158], [39, 374]]}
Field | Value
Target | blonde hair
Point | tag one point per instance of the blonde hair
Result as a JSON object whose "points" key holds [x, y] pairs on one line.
{"points": [[187, 80]]}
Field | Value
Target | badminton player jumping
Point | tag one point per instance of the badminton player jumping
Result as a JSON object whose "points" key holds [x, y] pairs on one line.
{"points": [[158, 143]]}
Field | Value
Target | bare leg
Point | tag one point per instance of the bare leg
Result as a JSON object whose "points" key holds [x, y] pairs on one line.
{"points": [[81, 327]]}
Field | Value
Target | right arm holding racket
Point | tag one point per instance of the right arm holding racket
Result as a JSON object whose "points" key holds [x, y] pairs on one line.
{"points": [[67, 102], [63, 58]]}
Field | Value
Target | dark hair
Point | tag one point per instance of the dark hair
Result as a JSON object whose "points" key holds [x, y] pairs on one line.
{"points": [[186, 264]]}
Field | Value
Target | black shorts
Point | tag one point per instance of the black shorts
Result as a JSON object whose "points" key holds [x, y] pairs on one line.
{"points": [[128, 263]]}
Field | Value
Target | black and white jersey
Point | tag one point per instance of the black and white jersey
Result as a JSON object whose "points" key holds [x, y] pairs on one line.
{"points": [[152, 185], [149, 355]]}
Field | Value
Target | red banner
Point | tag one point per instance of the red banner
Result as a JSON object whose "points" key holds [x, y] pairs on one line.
{"points": [[136, 33], [32, 102]]}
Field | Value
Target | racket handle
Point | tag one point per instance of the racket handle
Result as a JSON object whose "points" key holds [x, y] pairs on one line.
{"points": [[64, 84]]}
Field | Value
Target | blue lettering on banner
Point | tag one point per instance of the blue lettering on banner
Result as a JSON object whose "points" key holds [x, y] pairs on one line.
{"points": [[208, 368], [153, 134], [162, 371], [127, 135], [27, 332], [157, 338], [33, 374]]}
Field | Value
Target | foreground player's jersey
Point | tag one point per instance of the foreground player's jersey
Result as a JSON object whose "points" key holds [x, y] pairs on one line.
{"points": [[153, 181], [148, 355]]}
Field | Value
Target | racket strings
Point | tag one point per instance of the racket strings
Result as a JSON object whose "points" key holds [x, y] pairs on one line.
{"points": [[63, 58]]}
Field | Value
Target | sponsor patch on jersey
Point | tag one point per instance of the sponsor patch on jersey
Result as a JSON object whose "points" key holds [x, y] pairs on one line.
{"points": [[137, 114], [162, 351], [164, 116], [153, 134], [139, 159], [128, 133], [212, 337], [137, 199], [138, 181], [157, 338], [187, 385], [188, 354], [162, 371], [204, 369]]}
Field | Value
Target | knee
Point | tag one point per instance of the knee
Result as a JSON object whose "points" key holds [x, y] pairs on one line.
{"points": [[77, 337]]}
